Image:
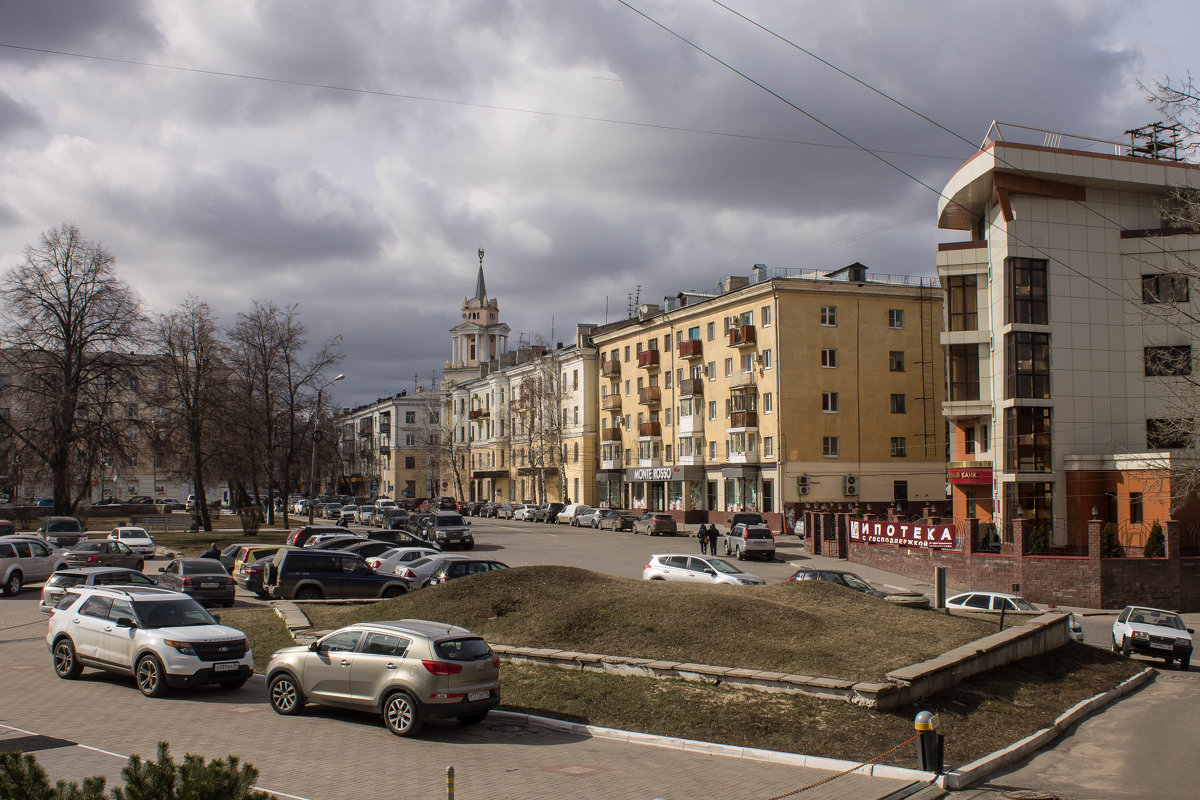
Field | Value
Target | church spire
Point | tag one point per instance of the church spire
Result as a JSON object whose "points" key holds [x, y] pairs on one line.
{"points": [[480, 287]]}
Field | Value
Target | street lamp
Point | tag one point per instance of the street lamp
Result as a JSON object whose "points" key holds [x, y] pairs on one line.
{"points": [[316, 436]]}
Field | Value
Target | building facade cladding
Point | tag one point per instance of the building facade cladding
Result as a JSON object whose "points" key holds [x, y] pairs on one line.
{"points": [[527, 426], [384, 447], [1053, 307], [816, 388]]}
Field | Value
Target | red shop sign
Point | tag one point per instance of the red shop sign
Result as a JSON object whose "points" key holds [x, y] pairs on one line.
{"points": [[908, 534]]}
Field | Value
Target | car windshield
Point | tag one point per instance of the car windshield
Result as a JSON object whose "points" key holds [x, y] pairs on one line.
{"points": [[855, 582], [203, 566], [449, 519], [87, 547], [1023, 605], [722, 566], [1163, 619], [171, 613]]}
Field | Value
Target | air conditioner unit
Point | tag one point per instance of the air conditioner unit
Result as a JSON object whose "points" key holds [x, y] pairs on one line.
{"points": [[802, 485], [850, 486]]}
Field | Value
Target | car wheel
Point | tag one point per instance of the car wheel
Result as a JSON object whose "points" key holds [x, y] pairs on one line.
{"points": [[151, 679], [1115, 648], [308, 593], [1125, 649], [658, 578], [392, 591], [470, 546], [473, 719], [285, 696], [741, 554], [263, 594], [66, 663], [141, 565], [14, 583], [768, 557], [728, 552], [233, 683], [400, 714], [1185, 663]]}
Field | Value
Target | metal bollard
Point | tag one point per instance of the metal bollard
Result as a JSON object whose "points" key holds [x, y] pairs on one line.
{"points": [[931, 746], [449, 783]]}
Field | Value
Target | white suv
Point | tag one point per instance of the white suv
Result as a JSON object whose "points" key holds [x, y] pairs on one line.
{"points": [[24, 559], [162, 638]]}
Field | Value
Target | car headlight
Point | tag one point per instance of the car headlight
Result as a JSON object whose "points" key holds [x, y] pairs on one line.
{"points": [[1141, 635], [183, 647], [1183, 642]]}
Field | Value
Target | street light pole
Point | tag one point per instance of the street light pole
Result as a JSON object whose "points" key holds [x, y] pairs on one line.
{"points": [[316, 437]]}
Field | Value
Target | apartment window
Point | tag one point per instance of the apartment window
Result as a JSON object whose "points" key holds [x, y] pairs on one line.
{"points": [[666, 379], [895, 318], [615, 355], [712, 409], [694, 332], [964, 372], [766, 316], [712, 370], [898, 404], [626, 422], [1164, 288], [896, 361], [1028, 295], [575, 380], [410, 462], [829, 402], [641, 384], [829, 446], [829, 316], [1169, 360], [969, 440], [410, 417], [728, 367], [627, 352], [829, 358], [766, 359], [1136, 512], [747, 362], [1027, 372], [667, 416], [627, 386], [1168, 434], [628, 456], [667, 342], [410, 440], [712, 331], [900, 491], [712, 450], [899, 447], [768, 403], [576, 415], [768, 446], [963, 297], [1027, 439], [638, 350], [768, 495], [576, 452]]}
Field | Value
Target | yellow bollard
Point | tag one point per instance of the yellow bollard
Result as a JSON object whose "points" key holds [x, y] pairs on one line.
{"points": [[449, 783]]}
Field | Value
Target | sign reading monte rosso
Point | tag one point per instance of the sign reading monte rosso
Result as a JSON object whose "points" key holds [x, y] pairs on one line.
{"points": [[936, 537]]}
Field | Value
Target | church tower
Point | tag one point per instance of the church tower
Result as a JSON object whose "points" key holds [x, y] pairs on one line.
{"points": [[479, 337]]}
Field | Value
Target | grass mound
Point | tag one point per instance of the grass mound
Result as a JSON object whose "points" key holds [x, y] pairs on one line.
{"points": [[808, 628]]}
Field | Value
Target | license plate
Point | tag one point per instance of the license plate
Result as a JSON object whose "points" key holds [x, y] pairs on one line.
{"points": [[226, 666], [473, 696], [209, 585], [1160, 646]]}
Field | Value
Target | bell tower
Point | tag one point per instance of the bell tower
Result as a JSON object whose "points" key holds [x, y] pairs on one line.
{"points": [[479, 337]]}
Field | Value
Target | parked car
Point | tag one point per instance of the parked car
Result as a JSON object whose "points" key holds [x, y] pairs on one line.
{"points": [[417, 572], [547, 512], [590, 518], [171, 504], [104, 553], [488, 509], [386, 562], [569, 515], [348, 515], [523, 513], [136, 539], [750, 540], [655, 523], [332, 511], [160, 637], [991, 601], [305, 574], [1153, 632], [411, 670], [367, 548], [505, 511], [397, 538], [614, 519], [747, 518], [24, 560], [333, 541], [689, 568], [394, 518], [204, 579], [58, 583], [305, 532], [190, 503], [838, 577], [447, 529], [461, 567], [62, 531]]}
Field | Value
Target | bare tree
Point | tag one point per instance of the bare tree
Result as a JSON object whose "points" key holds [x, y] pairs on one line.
{"points": [[70, 324], [447, 442]]}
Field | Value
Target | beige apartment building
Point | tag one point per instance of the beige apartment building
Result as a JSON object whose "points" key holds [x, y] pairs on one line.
{"points": [[806, 387], [384, 448]]}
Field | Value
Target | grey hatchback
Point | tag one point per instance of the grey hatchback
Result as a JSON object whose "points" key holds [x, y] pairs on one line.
{"points": [[407, 670]]}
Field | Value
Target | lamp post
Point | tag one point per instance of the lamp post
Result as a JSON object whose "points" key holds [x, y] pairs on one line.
{"points": [[316, 434]]}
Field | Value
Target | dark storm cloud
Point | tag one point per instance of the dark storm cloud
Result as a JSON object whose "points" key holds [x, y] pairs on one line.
{"points": [[17, 117], [114, 29]]}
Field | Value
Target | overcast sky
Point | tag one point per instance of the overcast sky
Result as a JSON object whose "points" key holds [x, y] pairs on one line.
{"points": [[585, 148]]}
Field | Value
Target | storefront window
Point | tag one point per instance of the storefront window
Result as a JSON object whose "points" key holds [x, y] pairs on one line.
{"points": [[675, 495], [637, 495], [698, 503]]}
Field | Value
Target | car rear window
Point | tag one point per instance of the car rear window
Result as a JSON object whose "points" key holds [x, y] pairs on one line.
{"points": [[467, 649], [758, 533], [59, 579], [203, 566], [90, 547]]}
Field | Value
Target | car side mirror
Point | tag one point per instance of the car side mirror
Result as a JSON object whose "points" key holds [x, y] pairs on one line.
{"points": [[1191, 630], [314, 647], [712, 572], [125, 622]]}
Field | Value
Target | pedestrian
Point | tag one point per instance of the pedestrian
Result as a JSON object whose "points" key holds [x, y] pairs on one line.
{"points": [[211, 552], [712, 540], [702, 535]]}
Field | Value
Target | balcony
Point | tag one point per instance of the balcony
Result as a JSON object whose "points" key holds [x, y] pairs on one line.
{"points": [[610, 434], [480, 413], [611, 402], [691, 387], [690, 461], [750, 457], [691, 348], [743, 336], [650, 462], [650, 429], [743, 419], [650, 395], [610, 368], [648, 359], [609, 465], [690, 423]]}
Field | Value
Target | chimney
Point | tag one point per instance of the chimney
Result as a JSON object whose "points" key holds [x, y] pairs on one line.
{"points": [[759, 273], [733, 283]]}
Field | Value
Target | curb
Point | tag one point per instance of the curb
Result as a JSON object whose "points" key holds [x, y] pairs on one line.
{"points": [[729, 751], [969, 773]]}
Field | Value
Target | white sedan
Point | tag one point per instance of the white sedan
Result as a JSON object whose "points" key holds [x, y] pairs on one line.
{"points": [[1153, 632], [136, 539], [991, 601], [524, 513], [386, 562], [690, 568]]}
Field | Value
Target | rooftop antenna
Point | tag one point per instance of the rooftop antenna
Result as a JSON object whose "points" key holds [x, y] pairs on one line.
{"points": [[1155, 140]]}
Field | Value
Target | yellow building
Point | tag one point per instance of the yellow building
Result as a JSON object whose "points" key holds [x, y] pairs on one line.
{"points": [[807, 387]]}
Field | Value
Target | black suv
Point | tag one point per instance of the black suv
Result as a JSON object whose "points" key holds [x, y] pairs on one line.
{"points": [[548, 512], [315, 574]]}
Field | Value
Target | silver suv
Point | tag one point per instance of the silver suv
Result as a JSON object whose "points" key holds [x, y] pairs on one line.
{"points": [[162, 638], [745, 540], [24, 559], [408, 671]]}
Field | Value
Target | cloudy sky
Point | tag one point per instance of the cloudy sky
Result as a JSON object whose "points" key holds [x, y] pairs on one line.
{"points": [[351, 157]]}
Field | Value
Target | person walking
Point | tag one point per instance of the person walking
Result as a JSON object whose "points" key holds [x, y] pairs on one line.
{"points": [[702, 535], [712, 539]]}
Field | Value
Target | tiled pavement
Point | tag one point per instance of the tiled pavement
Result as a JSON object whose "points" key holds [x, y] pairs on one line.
{"points": [[330, 755]]}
